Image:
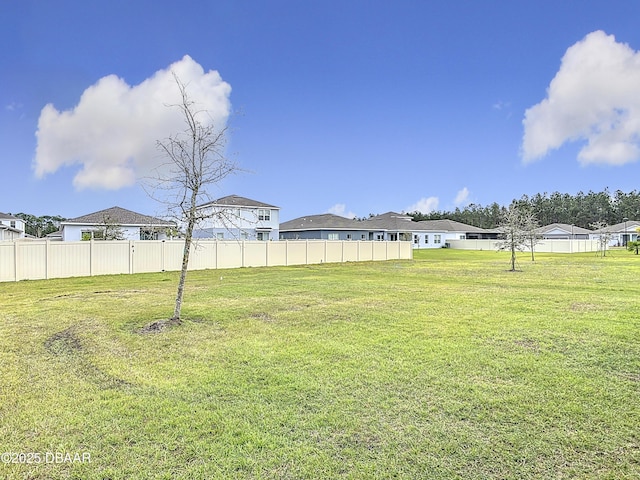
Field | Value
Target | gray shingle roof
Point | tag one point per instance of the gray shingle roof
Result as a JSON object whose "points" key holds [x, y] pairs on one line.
{"points": [[6, 216], [324, 221], [390, 221], [453, 226], [630, 225], [120, 216], [237, 201], [564, 227]]}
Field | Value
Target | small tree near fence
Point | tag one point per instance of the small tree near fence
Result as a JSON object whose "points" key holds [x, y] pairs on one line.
{"points": [[518, 231], [196, 160], [604, 236]]}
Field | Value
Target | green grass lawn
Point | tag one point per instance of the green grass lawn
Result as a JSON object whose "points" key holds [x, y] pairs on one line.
{"points": [[447, 366]]}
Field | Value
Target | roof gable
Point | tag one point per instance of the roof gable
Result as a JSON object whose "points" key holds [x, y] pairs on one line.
{"points": [[323, 221], [117, 215], [7, 216], [561, 229], [452, 226], [236, 201]]}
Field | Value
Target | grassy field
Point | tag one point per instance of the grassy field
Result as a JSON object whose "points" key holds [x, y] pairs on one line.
{"points": [[447, 366]]}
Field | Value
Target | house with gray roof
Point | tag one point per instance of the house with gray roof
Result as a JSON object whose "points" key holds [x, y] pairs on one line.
{"points": [[326, 226], [556, 231], [390, 226], [620, 233], [11, 228], [238, 218], [115, 222]]}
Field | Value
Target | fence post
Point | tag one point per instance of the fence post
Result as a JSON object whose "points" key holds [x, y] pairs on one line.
{"points": [[162, 254], [91, 257], [131, 247], [15, 260], [47, 254]]}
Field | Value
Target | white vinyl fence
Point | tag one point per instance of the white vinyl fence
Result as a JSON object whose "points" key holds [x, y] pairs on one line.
{"points": [[34, 260], [545, 246]]}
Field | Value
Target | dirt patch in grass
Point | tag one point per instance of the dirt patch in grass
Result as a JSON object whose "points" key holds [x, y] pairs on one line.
{"points": [[265, 317], [109, 293], [583, 307], [158, 326], [63, 343], [67, 346]]}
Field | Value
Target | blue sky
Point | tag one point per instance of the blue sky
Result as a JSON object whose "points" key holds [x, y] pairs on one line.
{"points": [[352, 107]]}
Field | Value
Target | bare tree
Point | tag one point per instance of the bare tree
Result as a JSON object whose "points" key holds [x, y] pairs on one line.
{"points": [[531, 232], [604, 236], [518, 230], [196, 160]]}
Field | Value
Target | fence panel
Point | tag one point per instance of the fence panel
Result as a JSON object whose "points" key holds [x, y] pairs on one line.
{"points": [[69, 260], [277, 253], [7, 261], [148, 256], [109, 258], [255, 254], [31, 260]]}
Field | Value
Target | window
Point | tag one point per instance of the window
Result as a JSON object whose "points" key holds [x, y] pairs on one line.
{"points": [[437, 239], [148, 235], [348, 236], [263, 236], [13, 224], [426, 239], [463, 237], [416, 239], [333, 236], [264, 215], [363, 236], [86, 235], [219, 236]]}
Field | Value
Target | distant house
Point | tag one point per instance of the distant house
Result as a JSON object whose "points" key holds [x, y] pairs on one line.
{"points": [[390, 226], [556, 231], [620, 233], [326, 226], [238, 218], [129, 225], [459, 231], [11, 228]]}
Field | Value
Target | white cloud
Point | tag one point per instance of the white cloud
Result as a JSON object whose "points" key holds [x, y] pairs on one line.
{"points": [[461, 197], [595, 96], [340, 209], [424, 205], [112, 131]]}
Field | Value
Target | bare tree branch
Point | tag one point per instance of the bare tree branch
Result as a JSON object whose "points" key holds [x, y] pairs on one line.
{"points": [[196, 161]]}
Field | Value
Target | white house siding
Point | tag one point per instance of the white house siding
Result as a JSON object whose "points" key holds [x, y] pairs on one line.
{"points": [[429, 239], [73, 233], [12, 225], [239, 223]]}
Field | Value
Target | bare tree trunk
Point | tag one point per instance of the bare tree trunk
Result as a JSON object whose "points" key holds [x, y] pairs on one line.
{"points": [[185, 256]]}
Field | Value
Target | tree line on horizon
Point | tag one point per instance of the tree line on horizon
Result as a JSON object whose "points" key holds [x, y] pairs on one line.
{"points": [[40, 226], [581, 209]]}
